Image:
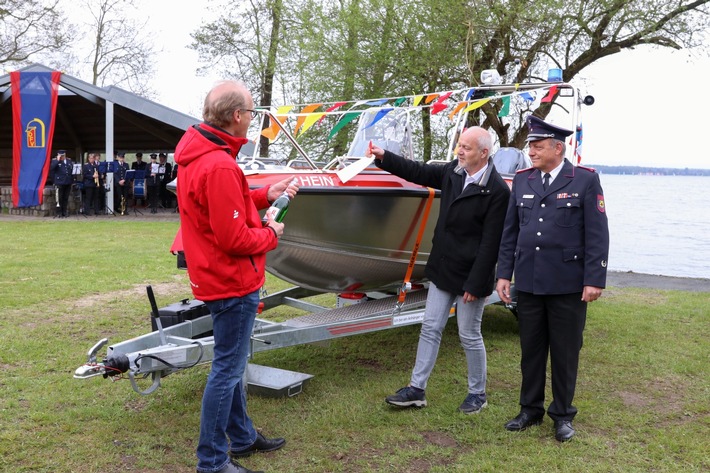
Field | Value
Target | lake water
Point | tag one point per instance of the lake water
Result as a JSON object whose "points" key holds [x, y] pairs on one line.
{"points": [[658, 224]]}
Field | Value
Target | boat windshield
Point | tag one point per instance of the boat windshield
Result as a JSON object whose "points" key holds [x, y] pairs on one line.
{"points": [[387, 128]]}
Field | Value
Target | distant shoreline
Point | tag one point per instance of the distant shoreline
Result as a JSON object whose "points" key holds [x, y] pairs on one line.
{"points": [[647, 171], [656, 281]]}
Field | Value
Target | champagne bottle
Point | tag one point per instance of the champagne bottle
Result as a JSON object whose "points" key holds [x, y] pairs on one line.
{"points": [[278, 208]]}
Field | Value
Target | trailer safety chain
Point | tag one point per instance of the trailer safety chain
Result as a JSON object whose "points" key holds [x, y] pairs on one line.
{"points": [[407, 285]]}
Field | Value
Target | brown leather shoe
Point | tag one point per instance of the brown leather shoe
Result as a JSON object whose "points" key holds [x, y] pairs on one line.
{"points": [[261, 444], [564, 430], [522, 422]]}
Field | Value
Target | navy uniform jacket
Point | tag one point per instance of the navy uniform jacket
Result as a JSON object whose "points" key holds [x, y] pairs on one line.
{"points": [[61, 172], [556, 241], [88, 174], [467, 234], [119, 171]]}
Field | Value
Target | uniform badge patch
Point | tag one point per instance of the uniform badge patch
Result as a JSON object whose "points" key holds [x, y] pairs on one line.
{"points": [[600, 203]]}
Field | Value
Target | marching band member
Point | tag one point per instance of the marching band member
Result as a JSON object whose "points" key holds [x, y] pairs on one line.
{"points": [[120, 183], [92, 183], [151, 182], [61, 171], [164, 176]]}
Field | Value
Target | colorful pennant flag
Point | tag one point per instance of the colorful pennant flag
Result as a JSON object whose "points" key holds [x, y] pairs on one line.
{"points": [[440, 105], [457, 109], [344, 120], [301, 120], [273, 131], [550, 95], [379, 115], [477, 104], [332, 108], [505, 106]]}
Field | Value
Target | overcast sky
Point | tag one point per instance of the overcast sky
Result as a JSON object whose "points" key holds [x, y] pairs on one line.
{"points": [[649, 108]]}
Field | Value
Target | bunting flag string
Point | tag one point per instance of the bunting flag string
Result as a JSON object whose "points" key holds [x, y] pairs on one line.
{"points": [[309, 114]]}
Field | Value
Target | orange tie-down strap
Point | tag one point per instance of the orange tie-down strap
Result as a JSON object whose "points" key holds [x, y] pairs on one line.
{"points": [[413, 259]]}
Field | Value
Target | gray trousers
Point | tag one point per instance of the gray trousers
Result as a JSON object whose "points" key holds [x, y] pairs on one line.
{"points": [[468, 317]]}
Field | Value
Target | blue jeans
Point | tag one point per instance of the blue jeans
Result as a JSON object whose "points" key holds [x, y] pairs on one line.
{"points": [[468, 316], [224, 403]]}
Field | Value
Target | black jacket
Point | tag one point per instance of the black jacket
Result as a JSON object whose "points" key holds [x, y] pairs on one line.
{"points": [[468, 231]]}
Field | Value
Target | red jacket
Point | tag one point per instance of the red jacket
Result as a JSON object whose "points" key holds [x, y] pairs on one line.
{"points": [[224, 241]]}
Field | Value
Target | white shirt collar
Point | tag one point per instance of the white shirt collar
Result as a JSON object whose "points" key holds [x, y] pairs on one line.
{"points": [[476, 178], [554, 172]]}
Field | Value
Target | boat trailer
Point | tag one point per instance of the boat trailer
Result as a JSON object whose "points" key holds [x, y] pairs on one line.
{"points": [[186, 340]]}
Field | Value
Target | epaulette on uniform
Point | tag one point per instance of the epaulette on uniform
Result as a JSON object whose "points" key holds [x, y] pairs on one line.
{"points": [[524, 170], [586, 168]]}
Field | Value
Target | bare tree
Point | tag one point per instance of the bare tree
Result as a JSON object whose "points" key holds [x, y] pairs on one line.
{"points": [[29, 28], [122, 52]]}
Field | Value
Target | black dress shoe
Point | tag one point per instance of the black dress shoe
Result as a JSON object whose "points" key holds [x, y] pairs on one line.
{"points": [[234, 467], [522, 422], [563, 430], [261, 444]]}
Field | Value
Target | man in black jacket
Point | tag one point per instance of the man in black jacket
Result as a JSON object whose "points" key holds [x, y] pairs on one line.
{"points": [[461, 265]]}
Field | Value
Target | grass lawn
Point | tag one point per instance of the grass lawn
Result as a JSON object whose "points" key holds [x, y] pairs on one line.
{"points": [[643, 393]]}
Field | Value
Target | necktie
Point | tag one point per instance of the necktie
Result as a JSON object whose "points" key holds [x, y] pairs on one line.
{"points": [[545, 181]]}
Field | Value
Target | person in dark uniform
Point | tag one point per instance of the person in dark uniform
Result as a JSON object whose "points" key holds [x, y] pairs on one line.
{"points": [[61, 171], [138, 164], [92, 183], [121, 184], [556, 243], [151, 182], [461, 266], [165, 170]]}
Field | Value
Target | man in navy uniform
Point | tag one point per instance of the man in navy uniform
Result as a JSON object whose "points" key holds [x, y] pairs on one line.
{"points": [[121, 184], [151, 182], [92, 182], [556, 242], [61, 171], [165, 170], [139, 165]]}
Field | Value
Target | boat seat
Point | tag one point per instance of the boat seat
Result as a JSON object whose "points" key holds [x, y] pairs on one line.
{"points": [[510, 160]]}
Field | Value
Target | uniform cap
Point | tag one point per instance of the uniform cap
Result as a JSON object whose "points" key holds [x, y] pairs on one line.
{"points": [[153, 155], [121, 154], [61, 151], [139, 155], [162, 155], [538, 129]]}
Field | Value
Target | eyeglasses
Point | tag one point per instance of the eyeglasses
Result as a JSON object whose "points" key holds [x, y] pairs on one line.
{"points": [[254, 113]]}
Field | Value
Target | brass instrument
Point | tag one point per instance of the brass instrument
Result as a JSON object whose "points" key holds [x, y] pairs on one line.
{"points": [[123, 204], [96, 177]]}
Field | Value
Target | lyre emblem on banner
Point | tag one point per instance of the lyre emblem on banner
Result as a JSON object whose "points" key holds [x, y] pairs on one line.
{"points": [[32, 136]]}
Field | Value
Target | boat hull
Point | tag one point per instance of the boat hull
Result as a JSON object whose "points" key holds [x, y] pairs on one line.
{"points": [[357, 236]]}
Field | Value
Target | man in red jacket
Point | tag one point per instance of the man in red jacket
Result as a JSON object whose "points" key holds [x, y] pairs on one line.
{"points": [[225, 249]]}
